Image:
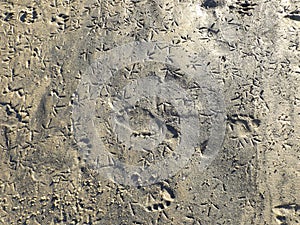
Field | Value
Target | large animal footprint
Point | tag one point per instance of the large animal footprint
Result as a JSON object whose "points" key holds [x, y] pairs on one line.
{"points": [[160, 199], [287, 214]]}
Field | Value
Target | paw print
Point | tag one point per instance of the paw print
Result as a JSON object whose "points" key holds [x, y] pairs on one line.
{"points": [[243, 128], [160, 199], [29, 15], [243, 7]]}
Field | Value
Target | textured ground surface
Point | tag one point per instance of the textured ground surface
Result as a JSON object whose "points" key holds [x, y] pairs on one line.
{"points": [[252, 52]]}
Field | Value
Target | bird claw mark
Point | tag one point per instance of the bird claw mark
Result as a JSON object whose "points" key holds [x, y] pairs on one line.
{"points": [[294, 15], [287, 214]]}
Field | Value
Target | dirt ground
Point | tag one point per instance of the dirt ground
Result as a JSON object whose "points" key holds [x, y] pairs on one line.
{"points": [[239, 135]]}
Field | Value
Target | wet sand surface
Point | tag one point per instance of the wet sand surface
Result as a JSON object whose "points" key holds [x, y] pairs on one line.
{"points": [[94, 94]]}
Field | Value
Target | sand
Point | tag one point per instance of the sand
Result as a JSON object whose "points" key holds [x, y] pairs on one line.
{"points": [[150, 112]]}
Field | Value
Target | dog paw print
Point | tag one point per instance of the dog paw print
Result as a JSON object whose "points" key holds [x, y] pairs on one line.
{"points": [[243, 128], [7, 16], [287, 214], [244, 123], [243, 7], [29, 15], [60, 21], [160, 199]]}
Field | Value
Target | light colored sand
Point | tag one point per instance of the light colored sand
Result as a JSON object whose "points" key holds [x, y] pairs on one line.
{"points": [[251, 52]]}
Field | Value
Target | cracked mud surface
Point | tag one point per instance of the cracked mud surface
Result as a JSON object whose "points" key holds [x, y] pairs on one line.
{"points": [[250, 49]]}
